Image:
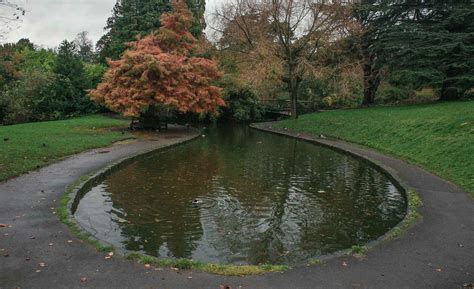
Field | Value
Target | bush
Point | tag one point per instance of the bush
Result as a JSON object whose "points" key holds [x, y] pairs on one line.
{"points": [[242, 105], [39, 96], [392, 94], [15, 107], [340, 92]]}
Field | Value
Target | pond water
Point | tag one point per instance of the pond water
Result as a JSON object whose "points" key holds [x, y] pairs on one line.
{"points": [[242, 196]]}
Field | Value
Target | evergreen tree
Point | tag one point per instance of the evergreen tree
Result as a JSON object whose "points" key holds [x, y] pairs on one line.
{"points": [[137, 18], [436, 51], [424, 43], [71, 78]]}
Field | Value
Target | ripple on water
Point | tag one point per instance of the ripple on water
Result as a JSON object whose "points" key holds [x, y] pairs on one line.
{"points": [[261, 199]]}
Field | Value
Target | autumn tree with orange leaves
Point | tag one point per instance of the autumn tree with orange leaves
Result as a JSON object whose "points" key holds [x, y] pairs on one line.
{"points": [[158, 71]]}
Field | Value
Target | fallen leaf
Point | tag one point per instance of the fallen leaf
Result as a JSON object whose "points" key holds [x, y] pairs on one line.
{"points": [[3, 225]]}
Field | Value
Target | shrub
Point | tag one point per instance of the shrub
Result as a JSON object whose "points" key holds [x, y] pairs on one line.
{"points": [[15, 107], [242, 105], [392, 94], [41, 96]]}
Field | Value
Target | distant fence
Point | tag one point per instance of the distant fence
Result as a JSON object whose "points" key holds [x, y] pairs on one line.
{"points": [[282, 106]]}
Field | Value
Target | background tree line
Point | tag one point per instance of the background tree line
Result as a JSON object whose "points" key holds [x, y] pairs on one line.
{"points": [[46, 84], [332, 54], [312, 54]]}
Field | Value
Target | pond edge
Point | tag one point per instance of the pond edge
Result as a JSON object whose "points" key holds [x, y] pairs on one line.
{"points": [[80, 187], [412, 198], [76, 190]]}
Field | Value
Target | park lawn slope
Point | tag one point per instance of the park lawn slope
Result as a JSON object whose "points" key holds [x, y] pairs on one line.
{"points": [[438, 137], [25, 147]]}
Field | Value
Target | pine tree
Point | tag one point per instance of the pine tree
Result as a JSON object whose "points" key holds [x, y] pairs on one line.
{"points": [[136, 18], [71, 82], [436, 51], [423, 43]]}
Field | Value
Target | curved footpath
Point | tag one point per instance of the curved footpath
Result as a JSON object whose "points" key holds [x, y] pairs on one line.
{"points": [[438, 252]]}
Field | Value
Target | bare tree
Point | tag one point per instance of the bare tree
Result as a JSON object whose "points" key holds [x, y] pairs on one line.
{"points": [[11, 15], [289, 34], [85, 46]]}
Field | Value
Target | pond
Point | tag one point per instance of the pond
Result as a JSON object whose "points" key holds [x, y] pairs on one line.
{"points": [[241, 196]]}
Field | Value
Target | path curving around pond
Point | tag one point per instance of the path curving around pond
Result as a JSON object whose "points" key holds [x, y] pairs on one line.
{"points": [[37, 252]]}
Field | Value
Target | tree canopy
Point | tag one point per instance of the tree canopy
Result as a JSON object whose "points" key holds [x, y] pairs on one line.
{"points": [[137, 18], [280, 39], [158, 71], [422, 43]]}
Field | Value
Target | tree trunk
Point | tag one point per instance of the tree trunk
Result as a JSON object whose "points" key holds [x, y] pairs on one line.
{"points": [[371, 78], [449, 89], [449, 92], [371, 72], [150, 119], [371, 84], [293, 90]]}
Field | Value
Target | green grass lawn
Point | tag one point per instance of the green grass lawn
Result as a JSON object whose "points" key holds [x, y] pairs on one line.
{"points": [[437, 137], [25, 147]]}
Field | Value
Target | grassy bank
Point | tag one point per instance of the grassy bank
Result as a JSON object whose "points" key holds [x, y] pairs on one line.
{"points": [[29, 146], [437, 137]]}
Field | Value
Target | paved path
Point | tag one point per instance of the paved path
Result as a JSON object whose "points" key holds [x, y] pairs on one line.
{"points": [[437, 253]]}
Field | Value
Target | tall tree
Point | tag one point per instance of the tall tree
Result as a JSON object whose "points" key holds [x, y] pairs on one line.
{"points": [[414, 35], [434, 50], [284, 36], [71, 77], [137, 18], [159, 71], [69, 65], [85, 47]]}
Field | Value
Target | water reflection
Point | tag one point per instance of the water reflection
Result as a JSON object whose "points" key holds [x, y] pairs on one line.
{"points": [[263, 199]]}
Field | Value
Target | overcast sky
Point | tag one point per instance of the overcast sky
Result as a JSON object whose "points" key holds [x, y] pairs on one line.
{"points": [[48, 22]]}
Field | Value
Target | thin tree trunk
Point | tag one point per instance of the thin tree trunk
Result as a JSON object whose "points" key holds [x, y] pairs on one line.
{"points": [[371, 81], [372, 77], [293, 90]]}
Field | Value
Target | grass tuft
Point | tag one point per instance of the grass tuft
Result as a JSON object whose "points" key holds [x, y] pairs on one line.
{"points": [[358, 249], [218, 269]]}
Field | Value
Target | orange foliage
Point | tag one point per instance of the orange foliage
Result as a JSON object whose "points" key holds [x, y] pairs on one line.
{"points": [[158, 70]]}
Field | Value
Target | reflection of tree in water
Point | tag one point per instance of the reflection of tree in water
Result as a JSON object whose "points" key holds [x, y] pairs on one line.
{"points": [[261, 199], [156, 194]]}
